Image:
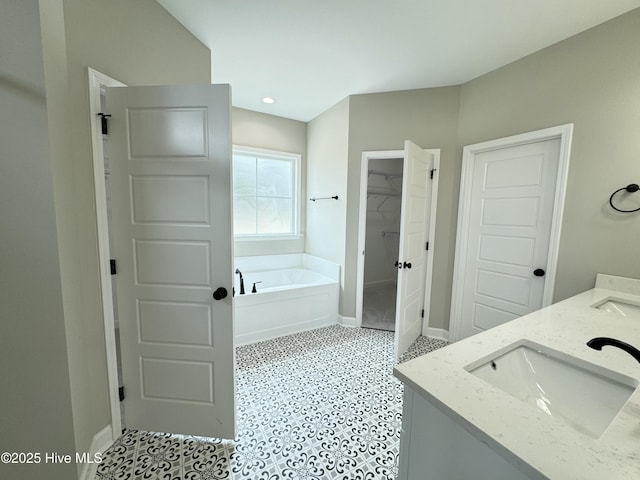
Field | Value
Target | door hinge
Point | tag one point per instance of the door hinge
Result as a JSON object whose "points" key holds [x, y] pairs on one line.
{"points": [[431, 173], [121, 393], [103, 122], [422, 313], [427, 246], [112, 265]]}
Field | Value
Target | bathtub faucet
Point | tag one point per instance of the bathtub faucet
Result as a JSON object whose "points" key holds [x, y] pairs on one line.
{"points": [[241, 282]]}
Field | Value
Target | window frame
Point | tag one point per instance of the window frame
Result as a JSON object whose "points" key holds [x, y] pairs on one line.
{"points": [[296, 161]]}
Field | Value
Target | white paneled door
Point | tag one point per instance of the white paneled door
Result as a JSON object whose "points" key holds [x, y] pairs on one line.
{"points": [[170, 154], [509, 219], [414, 231]]}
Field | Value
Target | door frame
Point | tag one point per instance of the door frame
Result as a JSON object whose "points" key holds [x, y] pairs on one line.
{"points": [[362, 227], [562, 132], [98, 81]]}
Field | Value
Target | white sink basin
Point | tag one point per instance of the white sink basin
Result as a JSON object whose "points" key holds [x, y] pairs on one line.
{"points": [[584, 396], [619, 306]]}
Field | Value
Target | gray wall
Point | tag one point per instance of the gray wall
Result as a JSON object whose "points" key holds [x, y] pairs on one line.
{"points": [[592, 80], [260, 130], [383, 121], [36, 396], [327, 153]]}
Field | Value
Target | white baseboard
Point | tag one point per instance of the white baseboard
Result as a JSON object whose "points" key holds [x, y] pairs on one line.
{"points": [[438, 333], [348, 321], [101, 441]]}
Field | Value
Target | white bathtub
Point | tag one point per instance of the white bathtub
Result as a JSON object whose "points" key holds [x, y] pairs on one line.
{"points": [[297, 292]]}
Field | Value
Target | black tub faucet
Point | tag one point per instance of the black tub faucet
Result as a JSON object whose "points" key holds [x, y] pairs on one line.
{"points": [[599, 342], [241, 282]]}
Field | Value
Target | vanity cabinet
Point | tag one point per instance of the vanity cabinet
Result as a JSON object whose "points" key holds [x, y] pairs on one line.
{"points": [[433, 446], [458, 425]]}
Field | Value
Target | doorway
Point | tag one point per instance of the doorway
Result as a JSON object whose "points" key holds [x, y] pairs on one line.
{"points": [[398, 192], [511, 201], [98, 83], [382, 243]]}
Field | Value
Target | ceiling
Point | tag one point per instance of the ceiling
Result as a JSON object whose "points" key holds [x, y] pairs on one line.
{"points": [[309, 55]]}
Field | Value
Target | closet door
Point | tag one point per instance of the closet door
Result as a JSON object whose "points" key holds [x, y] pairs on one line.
{"points": [[507, 230], [412, 257]]}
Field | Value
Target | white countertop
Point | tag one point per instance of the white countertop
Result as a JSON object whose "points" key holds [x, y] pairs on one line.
{"points": [[520, 433]]}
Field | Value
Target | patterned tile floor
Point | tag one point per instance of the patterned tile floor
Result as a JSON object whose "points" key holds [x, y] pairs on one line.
{"points": [[321, 404]]}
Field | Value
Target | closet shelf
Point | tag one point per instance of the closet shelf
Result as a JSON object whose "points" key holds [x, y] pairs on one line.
{"points": [[382, 194], [385, 174]]}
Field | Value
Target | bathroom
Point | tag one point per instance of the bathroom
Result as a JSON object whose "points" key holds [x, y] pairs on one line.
{"points": [[329, 228], [589, 79], [441, 120], [324, 202]]}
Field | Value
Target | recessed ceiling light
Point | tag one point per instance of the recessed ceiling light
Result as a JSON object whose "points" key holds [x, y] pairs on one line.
{"points": [[269, 100]]}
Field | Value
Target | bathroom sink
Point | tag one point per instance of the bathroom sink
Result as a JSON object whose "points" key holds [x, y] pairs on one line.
{"points": [[619, 306], [584, 396]]}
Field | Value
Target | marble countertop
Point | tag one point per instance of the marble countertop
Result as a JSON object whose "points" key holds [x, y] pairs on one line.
{"points": [[542, 446]]}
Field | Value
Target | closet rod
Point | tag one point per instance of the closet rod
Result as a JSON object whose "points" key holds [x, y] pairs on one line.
{"points": [[385, 174], [383, 194]]}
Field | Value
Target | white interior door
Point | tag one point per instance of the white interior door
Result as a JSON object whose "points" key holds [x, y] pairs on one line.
{"points": [[414, 231], [170, 153], [509, 220]]}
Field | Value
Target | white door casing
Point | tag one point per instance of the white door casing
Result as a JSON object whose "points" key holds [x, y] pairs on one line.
{"points": [[97, 84], [412, 256], [171, 202], [511, 199], [362, 224]]}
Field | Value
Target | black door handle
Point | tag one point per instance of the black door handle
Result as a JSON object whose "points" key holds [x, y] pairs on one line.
{"points": [[538, 272], [407, 265], [220, 293]]}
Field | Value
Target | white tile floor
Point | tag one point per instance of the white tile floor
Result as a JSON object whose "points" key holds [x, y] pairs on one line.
{"points": [[321, 404]]}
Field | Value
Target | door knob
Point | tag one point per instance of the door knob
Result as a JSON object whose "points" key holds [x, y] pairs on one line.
{"points": [[407, 265], [220, 293], [538, 272], [398, 264]]}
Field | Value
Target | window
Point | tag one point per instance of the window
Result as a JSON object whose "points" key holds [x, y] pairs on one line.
{"points": [[265, 193]]}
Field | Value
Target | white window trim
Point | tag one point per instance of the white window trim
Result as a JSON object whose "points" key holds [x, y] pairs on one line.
{"points": [[296, 194]]}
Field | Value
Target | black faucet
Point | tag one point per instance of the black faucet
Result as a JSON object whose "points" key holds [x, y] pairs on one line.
{"points": [[599, 342], [241, 282]]}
